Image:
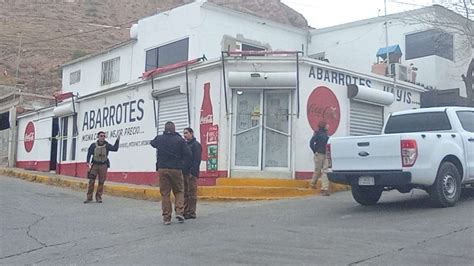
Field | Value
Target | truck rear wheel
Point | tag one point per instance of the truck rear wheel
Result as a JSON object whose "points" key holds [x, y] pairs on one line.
{"points": [[366, 195], [446, 190]]}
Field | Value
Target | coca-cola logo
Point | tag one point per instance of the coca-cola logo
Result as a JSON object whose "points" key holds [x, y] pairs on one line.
{"points": [[323, 105], [207, 119], [29, 139], [213, 135]]}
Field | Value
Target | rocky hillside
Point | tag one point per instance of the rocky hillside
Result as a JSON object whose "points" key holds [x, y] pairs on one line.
{"points": [[48, 33]]}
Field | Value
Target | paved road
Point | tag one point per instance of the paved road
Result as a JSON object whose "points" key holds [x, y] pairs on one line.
{"points": [[48, 225]]}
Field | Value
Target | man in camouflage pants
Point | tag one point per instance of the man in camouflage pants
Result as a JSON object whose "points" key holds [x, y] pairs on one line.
{"points": [[98, 166]]}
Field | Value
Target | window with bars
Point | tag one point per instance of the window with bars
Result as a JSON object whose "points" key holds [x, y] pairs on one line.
{"points": [[74, 77], [110, 71]]}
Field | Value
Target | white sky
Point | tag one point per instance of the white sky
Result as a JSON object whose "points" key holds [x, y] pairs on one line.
{"points": [[325, 13]]}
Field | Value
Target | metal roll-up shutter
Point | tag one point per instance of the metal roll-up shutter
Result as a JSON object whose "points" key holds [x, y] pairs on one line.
{"points": [[173, 108], [365, 119]]}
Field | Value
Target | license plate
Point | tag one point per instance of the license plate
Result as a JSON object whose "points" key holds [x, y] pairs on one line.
{"points": [[366, 181]]}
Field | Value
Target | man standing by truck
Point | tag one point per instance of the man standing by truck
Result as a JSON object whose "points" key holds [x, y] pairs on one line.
{"points": [[318, 146]]}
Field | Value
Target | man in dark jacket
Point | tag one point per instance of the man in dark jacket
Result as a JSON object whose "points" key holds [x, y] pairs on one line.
{"points": [[172, 151], [191, 174], [318, 146], [99, 152]]}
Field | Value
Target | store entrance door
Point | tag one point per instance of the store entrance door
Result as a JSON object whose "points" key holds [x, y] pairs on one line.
{"points": [[261, 130]]}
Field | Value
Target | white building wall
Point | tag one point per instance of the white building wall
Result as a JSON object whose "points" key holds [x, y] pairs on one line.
{"points": [[206, 26], [308, 82], [135, 125], [135, 154], [137, 157], [41, 148], [214, 77], [91, 71], [210, 30], [217, 23], [355, 45], [163, 28]]}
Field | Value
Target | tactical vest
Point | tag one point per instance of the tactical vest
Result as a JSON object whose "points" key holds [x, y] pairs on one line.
{"points": [[100, 153]]}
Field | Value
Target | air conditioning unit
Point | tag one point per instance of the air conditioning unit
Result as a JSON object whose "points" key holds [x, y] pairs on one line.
{"points": [[238, 46], [400, 72]]}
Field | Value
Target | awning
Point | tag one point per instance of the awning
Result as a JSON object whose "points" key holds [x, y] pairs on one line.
{"points": [[167, 68], [65, 109], [178, 89], [281, 80], [369, 95]]}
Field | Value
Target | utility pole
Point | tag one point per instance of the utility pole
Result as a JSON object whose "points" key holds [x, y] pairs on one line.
{"points": [[386, 39], [18, 62], [389, 69]]}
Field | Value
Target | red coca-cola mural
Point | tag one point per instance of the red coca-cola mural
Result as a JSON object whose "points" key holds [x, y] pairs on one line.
{"points": [[323, 105], [209, 133], [29, 139], [212, 141], [207, 118]]}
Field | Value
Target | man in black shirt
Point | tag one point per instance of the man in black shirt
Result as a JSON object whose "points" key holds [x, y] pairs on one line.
{"points": [[318, 146], [191, 174], [172, 151]]}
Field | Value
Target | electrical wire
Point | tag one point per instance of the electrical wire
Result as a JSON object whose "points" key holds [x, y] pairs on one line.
{"points": [[79, 33]]}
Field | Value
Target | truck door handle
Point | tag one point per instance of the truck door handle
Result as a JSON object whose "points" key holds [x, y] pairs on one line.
{"points": [[363, 144], [470, 139]]}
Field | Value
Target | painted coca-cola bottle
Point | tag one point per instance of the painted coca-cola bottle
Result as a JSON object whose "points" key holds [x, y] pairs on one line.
{"points": [[206, 120]]}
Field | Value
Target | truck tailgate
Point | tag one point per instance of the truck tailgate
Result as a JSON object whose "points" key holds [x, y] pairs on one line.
{"points": [[375, 152]]}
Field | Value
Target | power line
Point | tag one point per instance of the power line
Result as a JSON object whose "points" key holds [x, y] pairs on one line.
{"points": [[59, 19], [79, 33]]}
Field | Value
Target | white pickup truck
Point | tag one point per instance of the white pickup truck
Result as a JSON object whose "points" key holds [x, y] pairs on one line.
{"points": [[430, 149]]}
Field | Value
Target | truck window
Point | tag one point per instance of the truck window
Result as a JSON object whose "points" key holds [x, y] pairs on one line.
{"points": [[433, 121], [467, 120]]}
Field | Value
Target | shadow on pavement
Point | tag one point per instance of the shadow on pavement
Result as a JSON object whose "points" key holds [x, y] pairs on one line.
{"points": [[415, 201]]}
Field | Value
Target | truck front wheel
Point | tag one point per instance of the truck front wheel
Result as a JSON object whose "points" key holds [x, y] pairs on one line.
{"points": [[366, 195], [446, 190]]}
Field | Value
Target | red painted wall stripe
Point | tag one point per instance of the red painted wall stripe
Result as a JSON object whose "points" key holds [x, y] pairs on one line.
{"points": [[42, 166], [137, 178], [303, 175]]}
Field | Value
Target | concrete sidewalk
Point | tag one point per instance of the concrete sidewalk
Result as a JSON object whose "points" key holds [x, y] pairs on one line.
{"points": [[225, 189]]}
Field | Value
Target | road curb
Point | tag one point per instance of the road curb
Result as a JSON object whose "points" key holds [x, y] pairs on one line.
{"points": [[210, 193]]}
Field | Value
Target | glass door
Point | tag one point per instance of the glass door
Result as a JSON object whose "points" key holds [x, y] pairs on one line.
{"points": [[247, 130], [261, 140], [276, 128]]}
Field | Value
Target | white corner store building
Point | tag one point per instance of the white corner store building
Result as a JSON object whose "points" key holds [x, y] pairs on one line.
{"points": [[254, 112]]}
